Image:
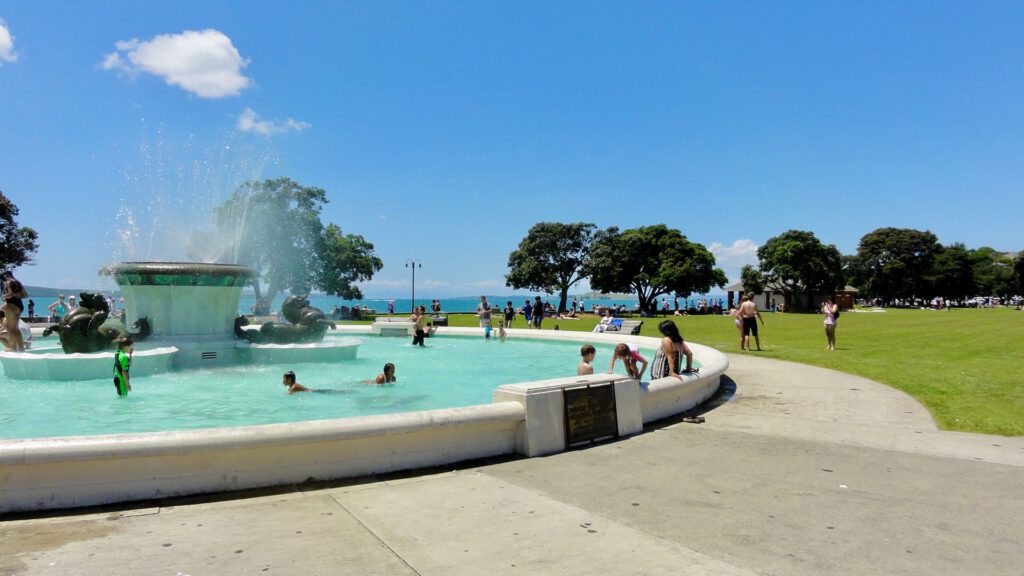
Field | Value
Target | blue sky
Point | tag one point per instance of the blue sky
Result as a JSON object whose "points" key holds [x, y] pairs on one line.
{"points": [[444, 130]]}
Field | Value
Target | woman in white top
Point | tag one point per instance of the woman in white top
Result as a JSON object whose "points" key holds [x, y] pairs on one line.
{"points": [[831, 311]]}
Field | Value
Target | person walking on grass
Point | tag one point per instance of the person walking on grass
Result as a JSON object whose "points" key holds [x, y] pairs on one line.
{"points": [[749, 313], [538, 312], [831, 311]]}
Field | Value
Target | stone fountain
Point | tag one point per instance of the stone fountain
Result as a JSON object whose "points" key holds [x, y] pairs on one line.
{"points": [[191, 311]]}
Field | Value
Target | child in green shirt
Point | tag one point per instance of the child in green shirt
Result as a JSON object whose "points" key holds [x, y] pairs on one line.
{"points": [[122, 365]]}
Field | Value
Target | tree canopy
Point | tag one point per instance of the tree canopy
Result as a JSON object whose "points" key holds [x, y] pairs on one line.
{"points": [[1018, 268], [274, 227], [651, 261], [344, 259], [896, 262], [550, 258], [800, 266], [17, 243], [993, 272], [752, 279], [953, 273]]}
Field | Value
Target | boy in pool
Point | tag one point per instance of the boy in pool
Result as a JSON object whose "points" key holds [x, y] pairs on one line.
{"points": [[629, 356], [387, 376], [584, 367], [289, 380], [501, 330], [122, 366]]}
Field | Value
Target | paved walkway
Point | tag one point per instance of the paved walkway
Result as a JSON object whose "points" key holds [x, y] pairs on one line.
{"points": [[798, 470]]}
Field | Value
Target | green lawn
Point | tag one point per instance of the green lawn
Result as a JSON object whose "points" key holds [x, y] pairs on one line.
{"points": [[966, 366]]}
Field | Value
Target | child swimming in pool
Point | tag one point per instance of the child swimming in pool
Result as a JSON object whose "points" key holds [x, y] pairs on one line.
{"points": [[587, 352], [289, 380], [387, 376]]}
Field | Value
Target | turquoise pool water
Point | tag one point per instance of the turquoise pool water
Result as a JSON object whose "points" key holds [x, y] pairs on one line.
{"points": [[451, 371]]}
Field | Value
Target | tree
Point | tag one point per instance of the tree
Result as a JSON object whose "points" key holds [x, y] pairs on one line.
{"points": [[650, 261], [800, 266], [953, 274], [993, 272], [752, 279], [897, 262], [1018, 269], [343, 261], [550, 258], [274, 227], [17, 243]]}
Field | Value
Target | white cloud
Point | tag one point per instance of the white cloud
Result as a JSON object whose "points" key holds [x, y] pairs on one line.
{"points": [[487, 284], [739, 254], [7, 53], [204, 63], [431, 283], [249, 121]]}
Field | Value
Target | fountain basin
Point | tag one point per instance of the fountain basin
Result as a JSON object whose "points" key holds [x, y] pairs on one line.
{"points": [[70, 367], [526, 418], [182, 300]]}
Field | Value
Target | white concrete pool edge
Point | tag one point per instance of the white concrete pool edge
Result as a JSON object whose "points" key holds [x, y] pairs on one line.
{"points": [[525, 418]]}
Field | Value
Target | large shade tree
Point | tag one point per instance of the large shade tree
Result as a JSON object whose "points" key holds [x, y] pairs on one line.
{"points": [[1018, 269], [993, 272], [953, 273], [17, 243], [344, 259], [651, 261], [897, 262], [550, 258], [274, 227], [800, 266]]}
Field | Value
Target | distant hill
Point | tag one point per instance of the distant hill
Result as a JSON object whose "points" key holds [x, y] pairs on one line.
{"points": [[41, 292], [611, 296]]}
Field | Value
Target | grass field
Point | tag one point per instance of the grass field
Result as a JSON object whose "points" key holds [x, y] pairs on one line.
{"points": [[965, 366]]}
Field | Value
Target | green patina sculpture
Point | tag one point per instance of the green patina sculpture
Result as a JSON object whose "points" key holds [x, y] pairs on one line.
{"points": [[83, 329], [305, 324]]}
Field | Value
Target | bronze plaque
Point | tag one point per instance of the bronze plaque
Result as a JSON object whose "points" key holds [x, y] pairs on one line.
{"points": [[590, 414]]}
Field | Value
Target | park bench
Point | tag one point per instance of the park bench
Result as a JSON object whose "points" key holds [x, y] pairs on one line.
{"points": [[631, 327]]}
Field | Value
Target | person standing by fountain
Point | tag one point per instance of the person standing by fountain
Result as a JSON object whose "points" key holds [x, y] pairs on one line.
{"points": [[419, 320], [13, 307], [122, 366], [58, 309]]}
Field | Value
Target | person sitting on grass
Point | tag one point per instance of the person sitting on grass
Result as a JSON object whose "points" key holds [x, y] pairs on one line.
{"points": [[584, 367], [630, 356]]}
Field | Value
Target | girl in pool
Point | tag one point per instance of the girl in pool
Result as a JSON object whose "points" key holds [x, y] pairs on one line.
{"points": [[387, 376], [630, 357]]}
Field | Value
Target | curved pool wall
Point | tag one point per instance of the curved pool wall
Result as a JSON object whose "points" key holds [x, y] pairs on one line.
{"points": [[525, 418]]}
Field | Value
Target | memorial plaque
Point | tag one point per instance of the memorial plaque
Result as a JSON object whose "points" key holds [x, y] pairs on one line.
{"points": [[590, 414]]}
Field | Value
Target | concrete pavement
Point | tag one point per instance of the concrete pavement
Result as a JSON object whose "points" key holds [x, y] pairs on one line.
{"points": [[797, 470]]}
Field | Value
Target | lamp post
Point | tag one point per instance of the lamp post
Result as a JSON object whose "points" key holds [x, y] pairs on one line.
{"points": [[413, 263]]}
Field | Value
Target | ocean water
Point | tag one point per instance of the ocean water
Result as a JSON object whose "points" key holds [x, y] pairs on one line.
{"points": [[403, 305]]}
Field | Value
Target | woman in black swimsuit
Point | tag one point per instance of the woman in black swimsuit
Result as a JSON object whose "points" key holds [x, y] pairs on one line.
{"points": [[13, 306]]}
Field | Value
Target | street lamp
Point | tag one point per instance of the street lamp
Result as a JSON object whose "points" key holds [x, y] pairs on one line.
{"points": [[413, 263]]}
